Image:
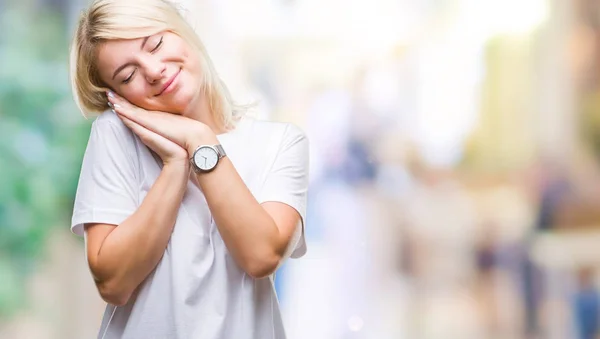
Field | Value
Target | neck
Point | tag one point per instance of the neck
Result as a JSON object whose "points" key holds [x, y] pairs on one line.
{"points": [[199, 110]]}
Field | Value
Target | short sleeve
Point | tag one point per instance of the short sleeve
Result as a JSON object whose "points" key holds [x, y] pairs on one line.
{"points": [[287, 181], [106, 192]]}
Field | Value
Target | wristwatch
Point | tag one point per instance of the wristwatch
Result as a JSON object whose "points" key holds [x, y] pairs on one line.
{"points": [[206, 158]]}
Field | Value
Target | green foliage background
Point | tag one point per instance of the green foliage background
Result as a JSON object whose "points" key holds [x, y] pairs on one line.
{"points": [[42, 139]]}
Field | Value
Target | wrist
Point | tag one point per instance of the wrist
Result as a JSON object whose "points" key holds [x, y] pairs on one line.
{"points": [[180, 163], [202, 135]]}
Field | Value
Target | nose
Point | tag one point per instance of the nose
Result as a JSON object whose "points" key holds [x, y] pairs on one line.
{"points": [[155, 70]]}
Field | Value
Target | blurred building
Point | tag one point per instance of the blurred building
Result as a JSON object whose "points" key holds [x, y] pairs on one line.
{"points": [[454, 163]]}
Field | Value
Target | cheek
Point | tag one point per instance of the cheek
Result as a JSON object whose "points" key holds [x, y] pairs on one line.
{"points": [[194, 84], [183, 49], [191, 60], [135, 94], [196, 74]]}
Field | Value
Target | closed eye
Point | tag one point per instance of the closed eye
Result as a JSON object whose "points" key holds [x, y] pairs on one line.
{"points": [[158, 45], [128, 79]]}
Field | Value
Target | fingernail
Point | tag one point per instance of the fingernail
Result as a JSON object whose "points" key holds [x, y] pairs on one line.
{"points": [[110, 94], [110, 104], [114, 111], [116, 106]]}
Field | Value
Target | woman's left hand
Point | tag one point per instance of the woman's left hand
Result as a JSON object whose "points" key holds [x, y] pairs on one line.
{"points": [[185, 132]]}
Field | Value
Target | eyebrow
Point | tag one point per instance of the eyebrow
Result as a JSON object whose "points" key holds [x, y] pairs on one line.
{"points": [[120, 68]]}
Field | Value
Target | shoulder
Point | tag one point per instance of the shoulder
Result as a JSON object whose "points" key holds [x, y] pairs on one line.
{"points": [[274, 130], [281, 140], [109, 133], [109, 119], [108, 126]]}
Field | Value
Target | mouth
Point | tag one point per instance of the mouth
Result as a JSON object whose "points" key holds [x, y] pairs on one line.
{"points": [[169, 85]]}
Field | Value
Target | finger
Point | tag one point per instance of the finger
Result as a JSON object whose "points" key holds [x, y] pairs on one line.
{"points": [[123, 106], [168, 125], [142, 132], [130, 124], [165, 124], [159, 122], [114, 97], [135, 128], [155, 121]]}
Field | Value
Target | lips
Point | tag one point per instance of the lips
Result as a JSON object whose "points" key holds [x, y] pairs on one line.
{"points": [[167, 85]]}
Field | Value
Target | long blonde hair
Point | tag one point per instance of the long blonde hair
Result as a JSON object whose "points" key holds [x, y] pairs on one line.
{"points": [[133, 19]]}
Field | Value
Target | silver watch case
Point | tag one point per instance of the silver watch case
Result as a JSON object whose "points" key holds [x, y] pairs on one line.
{"points": [[199, 168]]}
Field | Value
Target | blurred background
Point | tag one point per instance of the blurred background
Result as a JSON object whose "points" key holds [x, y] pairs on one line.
{"points": [[455, 152]]}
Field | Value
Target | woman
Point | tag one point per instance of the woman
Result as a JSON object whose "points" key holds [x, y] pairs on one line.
{"points": [[187, 207]]}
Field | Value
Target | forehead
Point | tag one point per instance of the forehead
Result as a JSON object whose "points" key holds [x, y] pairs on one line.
{"points": [[118, 47], [112, 53]]}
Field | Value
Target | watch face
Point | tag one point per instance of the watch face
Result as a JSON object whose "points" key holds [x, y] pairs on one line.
{"points": [[206, 158]]}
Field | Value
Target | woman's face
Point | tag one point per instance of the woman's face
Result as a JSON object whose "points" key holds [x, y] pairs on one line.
{"points": [[159, 72]]}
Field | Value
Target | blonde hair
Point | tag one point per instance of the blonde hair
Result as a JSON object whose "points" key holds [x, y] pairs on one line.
{"points": [[133, 19]]}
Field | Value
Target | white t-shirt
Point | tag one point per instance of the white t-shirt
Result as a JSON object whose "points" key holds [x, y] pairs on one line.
{"points": [[196, 290]]}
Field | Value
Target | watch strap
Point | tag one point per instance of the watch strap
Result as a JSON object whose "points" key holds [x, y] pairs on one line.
{"points": [[220, 150]]}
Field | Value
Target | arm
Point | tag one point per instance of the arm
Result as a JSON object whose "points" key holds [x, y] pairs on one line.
{"points": [[256, 235], [120, 258]]}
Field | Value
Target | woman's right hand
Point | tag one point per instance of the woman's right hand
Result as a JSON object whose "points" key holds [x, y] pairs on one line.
{"points": [[168, 151]]}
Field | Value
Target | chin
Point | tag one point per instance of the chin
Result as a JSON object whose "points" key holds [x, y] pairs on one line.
{"points": [[181, 102]]}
